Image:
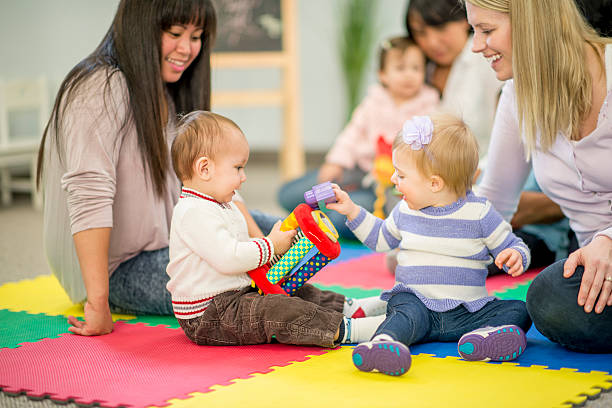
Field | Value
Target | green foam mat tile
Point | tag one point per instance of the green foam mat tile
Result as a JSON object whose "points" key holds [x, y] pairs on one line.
{"points": [[350, 292], [518, 293], [22, 327], [152, 320]]}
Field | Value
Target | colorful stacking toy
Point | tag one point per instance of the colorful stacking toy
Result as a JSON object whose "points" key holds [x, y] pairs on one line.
{"points": [[383, 170], [315, 245]]}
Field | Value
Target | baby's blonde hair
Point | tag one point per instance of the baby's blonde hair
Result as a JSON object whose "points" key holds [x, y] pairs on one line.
{"points": [[452, 153], [200, 133]]}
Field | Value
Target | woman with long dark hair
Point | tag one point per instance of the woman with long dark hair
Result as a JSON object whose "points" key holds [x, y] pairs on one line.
{"points": [[104, 158]]}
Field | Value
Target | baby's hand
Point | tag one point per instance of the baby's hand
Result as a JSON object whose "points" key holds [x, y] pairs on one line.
{"points": [[511, 261], [344, 205], [281, 239]]}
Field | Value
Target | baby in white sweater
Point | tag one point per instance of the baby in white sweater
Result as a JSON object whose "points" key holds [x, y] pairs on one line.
{"points": [[211, 253]]}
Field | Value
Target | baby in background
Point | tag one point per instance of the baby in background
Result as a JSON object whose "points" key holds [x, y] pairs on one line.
{"points": [[446, 237], [400, 94], [211, 253]]}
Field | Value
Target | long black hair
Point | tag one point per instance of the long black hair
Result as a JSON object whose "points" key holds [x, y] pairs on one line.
{"points": [[132, 46], [435, 12], [597, 13]]}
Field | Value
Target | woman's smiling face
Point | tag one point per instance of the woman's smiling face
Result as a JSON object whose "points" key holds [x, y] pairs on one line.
{"points": [[180, 45], [492, 38]]}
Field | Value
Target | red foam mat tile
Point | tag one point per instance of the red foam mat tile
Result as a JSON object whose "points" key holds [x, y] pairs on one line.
{"points": [[370, 272], [502, 282], [134, 366], [367, 272]]}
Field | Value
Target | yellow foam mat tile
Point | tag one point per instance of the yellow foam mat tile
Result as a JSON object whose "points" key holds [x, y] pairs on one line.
{"points": [[331, 380], [43, 294]]}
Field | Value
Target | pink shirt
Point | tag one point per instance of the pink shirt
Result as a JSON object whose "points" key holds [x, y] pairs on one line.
{"points": [[577, 175], [101, 182], [377, 115]]}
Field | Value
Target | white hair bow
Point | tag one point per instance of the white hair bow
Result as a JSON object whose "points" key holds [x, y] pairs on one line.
{"points": [[417, 132]]}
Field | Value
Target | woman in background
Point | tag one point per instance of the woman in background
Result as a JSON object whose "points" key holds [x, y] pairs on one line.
{"points": [[467, 86]]}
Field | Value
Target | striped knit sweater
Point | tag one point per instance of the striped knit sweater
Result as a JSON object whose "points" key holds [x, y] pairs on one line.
{"points": [[210, 252], [444, 251]]}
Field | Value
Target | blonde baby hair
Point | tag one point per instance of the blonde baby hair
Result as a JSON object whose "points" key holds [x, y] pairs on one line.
{"points": [[200, 133], [452, 153], [553, 83]]}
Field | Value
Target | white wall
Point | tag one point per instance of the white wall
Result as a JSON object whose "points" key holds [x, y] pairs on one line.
{"points": [[49, 37], [322, 86], [43, 37]]}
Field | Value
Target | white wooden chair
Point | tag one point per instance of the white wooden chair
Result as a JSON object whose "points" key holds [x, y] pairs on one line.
{"points": [[24, 111]]}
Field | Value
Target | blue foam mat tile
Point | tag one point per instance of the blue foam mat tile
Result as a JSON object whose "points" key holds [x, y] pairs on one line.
{"points": [[540, 351], [351, 250]]}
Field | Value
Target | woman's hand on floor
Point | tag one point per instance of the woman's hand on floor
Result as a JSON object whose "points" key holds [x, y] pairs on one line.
{"points": [[98, 321]]}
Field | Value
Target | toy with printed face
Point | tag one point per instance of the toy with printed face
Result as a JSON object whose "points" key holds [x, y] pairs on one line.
{"points": [[315, 245]]}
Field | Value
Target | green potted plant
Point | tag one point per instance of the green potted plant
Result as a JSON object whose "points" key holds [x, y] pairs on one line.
{"points": [[355, 44]]}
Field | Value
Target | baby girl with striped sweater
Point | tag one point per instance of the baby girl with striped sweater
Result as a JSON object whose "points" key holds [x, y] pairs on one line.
{"points": [[446, 237]]}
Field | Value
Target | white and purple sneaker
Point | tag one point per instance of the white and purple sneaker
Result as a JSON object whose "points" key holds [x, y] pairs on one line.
{"points": [[501, 343], [386, 356]]}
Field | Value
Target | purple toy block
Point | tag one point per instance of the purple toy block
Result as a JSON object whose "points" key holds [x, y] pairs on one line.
{"points": [[320, 192]]}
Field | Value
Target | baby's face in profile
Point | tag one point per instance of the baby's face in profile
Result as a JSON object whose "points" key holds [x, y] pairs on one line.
{"points": [[404, 73], [410, 182], [229, 166]]}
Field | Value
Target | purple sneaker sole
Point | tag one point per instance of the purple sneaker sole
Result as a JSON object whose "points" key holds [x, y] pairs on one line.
{"points": [[502, 343], [387, 357]]}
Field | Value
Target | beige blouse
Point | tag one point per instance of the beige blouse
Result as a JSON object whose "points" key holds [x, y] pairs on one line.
{"points": [[100, 181]]}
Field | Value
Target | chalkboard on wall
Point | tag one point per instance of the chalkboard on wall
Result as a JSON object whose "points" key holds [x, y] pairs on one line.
{"points": [[248, 26]]}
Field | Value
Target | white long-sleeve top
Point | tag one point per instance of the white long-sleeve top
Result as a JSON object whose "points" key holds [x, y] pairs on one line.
{"points": [[577, 175], [210, 252]]}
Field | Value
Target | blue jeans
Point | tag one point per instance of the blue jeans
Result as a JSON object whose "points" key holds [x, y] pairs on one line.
{"points": [[410, 322], [552, 302], [264, 221], [138, 285], [291, 194]]}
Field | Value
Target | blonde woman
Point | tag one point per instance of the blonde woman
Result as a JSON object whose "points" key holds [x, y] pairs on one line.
{"points": [[554, 116], [469, 89]]}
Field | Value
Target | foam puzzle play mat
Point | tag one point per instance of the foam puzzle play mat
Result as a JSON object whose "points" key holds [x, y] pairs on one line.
{"points": [[148, 362]]}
